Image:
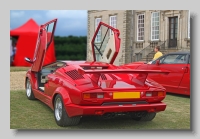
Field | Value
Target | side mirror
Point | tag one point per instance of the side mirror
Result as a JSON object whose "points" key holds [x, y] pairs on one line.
{"points": [[157, 62], [28, 60]]}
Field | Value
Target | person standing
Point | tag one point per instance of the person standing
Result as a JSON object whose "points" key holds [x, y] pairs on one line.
{"points": [[11, 52], [14, 49], [157, 52]]}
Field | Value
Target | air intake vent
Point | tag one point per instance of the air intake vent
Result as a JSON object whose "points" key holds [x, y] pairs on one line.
{"points": [[113, 77], [74, 75], [103, 77]]}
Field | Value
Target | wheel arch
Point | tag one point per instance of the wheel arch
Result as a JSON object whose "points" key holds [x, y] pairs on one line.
{"points": [[29, 76], [64, 94]]}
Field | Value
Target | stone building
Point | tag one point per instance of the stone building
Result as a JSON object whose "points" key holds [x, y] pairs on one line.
{"points": [[142, 30]]}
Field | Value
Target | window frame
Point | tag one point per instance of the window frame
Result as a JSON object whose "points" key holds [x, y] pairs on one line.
{"points": [[138, 27], [110, 18], [98, 40], [155, 26]]}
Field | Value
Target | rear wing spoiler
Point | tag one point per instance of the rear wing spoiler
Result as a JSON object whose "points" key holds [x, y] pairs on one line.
{"points": [[142, 74]]}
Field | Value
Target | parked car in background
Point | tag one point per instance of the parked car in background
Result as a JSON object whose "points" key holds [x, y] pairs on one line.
{"points": [[177, 63], [73, 89]]}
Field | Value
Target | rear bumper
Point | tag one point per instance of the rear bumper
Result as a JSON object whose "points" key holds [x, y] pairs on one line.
{"points": [[77, 110]]}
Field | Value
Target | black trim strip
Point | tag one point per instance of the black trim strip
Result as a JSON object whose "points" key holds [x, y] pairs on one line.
{"points": [[123, 103]]}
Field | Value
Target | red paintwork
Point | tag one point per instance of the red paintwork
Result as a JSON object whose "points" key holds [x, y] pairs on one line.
{"points": [[75, 78], [74, 110], [40, 50], [177, 81]]}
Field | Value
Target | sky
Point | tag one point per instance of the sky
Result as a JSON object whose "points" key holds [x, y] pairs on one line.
{"points": [[70, 22]]}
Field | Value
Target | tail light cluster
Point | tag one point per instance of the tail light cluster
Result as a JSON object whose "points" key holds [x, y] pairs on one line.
{"points": [[109, 95], [154, 93], [93, 95]]}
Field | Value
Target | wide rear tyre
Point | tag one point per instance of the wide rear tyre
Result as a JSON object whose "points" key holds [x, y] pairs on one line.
{"points": [[61, 116]]}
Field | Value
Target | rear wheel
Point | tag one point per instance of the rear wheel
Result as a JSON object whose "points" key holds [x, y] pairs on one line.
{"points": [[29, 92], [60, 114]]}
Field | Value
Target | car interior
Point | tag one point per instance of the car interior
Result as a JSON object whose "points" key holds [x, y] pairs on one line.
{"points": [[46, 70]]}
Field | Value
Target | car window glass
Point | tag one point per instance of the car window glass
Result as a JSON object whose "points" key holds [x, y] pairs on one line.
{"points": [[154, 61], [104, 44], [49, 28], [161, 60], [189, 59], [175, 59], [181, 59]]}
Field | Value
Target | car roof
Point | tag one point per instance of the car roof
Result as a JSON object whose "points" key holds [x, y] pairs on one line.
{"points": [[180, 52]]}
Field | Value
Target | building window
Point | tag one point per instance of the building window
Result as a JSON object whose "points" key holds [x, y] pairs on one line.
{"points": [[140, 27], [98, 37], [113, 22], [155, 19], [189, 24]]}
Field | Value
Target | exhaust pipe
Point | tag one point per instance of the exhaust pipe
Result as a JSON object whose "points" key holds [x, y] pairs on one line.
{"points": [[138, 114], [108, 115]]}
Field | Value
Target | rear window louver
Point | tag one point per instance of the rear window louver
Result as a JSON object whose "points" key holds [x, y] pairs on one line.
{"points": [[74, 75], [103, 77], [113, 77]]}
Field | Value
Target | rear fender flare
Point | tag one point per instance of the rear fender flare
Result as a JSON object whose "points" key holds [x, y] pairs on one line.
{"points": [[64, 94]]}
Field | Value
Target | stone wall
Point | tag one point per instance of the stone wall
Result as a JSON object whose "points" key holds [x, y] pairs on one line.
{"points": [[127, 25]]}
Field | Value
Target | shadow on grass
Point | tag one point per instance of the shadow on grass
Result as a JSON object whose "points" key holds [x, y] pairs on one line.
{"points": [[37, 115]]}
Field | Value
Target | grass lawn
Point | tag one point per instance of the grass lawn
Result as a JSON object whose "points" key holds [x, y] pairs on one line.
{"points": [[27, 114]]}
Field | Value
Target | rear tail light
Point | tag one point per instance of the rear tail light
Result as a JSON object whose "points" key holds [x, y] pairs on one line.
{"points": [[153, 94], [93, 95], [100, 95], [148, 94], [86, 96], [161, 93]]}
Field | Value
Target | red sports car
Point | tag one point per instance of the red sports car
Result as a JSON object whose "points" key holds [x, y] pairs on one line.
{"points": [[178, 65], [73, 89]]}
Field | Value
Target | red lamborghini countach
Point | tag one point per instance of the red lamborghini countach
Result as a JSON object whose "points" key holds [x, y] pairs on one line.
{"points": [[73, 89]]}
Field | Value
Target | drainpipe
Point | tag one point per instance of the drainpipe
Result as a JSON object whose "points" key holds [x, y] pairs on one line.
{"points": [[131, 39], [131, 36], [180, 28], [164, 28], [164, 39]]}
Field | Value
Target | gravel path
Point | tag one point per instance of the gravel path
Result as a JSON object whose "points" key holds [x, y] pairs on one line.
{"points": [[17, 80]]}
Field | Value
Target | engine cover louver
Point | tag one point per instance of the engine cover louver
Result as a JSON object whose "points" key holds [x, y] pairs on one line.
{"points": [[103, 77], [74, 75], [113, 77]]}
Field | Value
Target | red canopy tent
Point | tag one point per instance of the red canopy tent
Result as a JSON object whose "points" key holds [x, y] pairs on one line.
{"points": [[27, 35]]}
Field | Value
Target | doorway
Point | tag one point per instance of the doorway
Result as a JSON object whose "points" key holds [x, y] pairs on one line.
{"points": [[173, 30]]}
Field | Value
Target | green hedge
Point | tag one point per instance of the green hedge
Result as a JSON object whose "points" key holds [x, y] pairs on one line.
{"points": [[70, 48]]}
